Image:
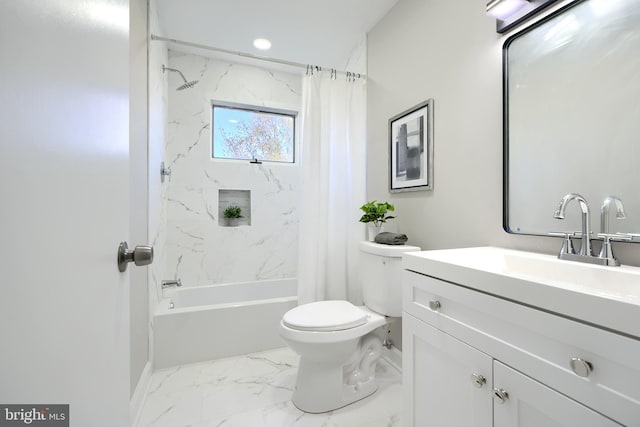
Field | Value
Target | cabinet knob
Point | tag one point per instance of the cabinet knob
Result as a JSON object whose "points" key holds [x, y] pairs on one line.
{"points": [[478, 380], [580, 367], [500, 395], [435, 305]]}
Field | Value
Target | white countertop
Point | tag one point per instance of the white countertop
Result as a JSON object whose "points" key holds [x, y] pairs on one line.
{"points": [[605, 296]]}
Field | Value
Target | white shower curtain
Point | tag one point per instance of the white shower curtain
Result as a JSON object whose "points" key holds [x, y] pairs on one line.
{"points": [[333, 157]]}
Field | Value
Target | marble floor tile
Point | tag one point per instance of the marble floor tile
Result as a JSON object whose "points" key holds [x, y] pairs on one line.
{"points": [[255, 390]]}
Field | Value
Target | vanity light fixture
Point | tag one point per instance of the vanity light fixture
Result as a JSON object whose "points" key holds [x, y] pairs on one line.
{"points": [[262, 44], [502, 9], [509, 13]]}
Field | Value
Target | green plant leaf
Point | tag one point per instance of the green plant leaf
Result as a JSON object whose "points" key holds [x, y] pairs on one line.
{"points": [[232, 212], [376, 212]]}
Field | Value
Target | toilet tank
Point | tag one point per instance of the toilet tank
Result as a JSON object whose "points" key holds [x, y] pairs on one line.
{"points": [[381, 276]]}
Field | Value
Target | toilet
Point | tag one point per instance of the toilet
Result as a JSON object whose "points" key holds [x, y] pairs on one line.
{"points": [[335, 340]]}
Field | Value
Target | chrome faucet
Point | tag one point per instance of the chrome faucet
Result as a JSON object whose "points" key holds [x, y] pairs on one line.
{"points": [[604, 212], [606, 252], [170, 283], [585, 247], [605, 257]]}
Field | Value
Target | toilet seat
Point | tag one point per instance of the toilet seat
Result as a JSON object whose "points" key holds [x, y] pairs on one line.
{"points": [[325, 316]]}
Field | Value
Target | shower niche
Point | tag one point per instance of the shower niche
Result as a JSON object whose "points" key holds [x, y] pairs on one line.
{"points": [[239, 198]]}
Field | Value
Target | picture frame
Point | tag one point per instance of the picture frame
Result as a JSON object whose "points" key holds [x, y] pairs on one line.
{"points": [[411, 149]]}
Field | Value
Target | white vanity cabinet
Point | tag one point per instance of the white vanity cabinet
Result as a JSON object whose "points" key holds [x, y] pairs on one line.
{"points": [[437, 379], [471, 358], [530, 403]]}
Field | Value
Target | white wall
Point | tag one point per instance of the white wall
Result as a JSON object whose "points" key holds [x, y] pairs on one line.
{"points": [[356, 62], [449, 51], [199, 249], [415, 54]]}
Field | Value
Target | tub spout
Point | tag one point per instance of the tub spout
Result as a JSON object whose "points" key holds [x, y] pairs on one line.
{"points": [[171, 283]]}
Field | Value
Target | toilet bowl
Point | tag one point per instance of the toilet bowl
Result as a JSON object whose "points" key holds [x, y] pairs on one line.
{"points": [[335, 340]]}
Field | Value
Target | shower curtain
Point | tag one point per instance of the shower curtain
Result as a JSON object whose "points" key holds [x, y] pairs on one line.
{"points": [[333, 175]]}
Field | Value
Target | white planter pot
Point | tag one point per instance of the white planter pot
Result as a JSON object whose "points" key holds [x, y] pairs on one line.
{"points": [[373, 231]]}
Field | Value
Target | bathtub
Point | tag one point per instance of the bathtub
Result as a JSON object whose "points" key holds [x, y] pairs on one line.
{"points": [[194, 324]]}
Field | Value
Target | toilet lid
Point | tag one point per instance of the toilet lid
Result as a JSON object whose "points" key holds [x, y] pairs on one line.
{"points": [[325, 316]]}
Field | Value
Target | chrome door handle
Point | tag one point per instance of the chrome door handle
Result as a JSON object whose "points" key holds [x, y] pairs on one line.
{"points": [[141, 255]]}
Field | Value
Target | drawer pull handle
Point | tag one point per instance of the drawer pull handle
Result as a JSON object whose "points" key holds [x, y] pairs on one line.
{"points": [[478, 380], [580, 367], [500, 395], [435, 305]]}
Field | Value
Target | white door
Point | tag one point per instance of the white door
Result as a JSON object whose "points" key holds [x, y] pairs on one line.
{"points": [[531, 404], [64, 152], [442, 379]]}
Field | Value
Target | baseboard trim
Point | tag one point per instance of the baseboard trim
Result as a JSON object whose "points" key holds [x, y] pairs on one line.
{"points": [[140, 395], [393, 356]]}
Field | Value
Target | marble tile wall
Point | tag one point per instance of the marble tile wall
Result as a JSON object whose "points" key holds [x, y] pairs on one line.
{"points": [[198, 249]]}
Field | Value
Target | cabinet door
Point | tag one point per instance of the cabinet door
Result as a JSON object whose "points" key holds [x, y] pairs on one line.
{"points": [[532, 404], [438, 377]]}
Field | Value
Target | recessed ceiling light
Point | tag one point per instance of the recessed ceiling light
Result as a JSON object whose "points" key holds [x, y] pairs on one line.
{"points": [[262, 44]]}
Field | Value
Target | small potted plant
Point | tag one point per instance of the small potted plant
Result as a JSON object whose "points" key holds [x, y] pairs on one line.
{"points": [[233, 214], [375, 214]]}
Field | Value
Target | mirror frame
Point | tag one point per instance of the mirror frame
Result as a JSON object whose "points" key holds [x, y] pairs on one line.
{"points": [[505, 111]]}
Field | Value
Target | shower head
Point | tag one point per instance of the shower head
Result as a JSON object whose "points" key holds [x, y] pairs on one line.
{"points": [[186, 84]]}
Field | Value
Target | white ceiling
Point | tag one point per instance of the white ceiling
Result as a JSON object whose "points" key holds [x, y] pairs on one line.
{"points": [[320, 32]]}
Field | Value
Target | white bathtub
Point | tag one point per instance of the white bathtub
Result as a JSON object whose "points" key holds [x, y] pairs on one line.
{"points": [[214, 321]]}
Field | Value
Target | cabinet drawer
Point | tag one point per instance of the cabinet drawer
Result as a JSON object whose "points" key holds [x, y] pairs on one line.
{"points": [[537, 343]]}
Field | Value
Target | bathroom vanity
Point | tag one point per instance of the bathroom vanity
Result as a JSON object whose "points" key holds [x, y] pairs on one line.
{"points": [[496, 337]]}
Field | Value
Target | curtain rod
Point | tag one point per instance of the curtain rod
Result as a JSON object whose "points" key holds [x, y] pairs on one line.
{"points": [[308, 67]]}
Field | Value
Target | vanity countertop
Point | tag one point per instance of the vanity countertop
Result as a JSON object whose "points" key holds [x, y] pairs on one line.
{"points": [[608, 297]]}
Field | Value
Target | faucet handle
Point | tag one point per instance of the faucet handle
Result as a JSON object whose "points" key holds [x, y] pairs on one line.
{"points": [[567, 244], [606, 252], [608, 237], [564, 233]]}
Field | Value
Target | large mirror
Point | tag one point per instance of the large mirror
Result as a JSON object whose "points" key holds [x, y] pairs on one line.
{"points": [[572, 117]]}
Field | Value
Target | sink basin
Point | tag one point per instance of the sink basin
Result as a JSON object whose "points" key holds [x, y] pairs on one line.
{"points": [[614, 282], [604, 296]]}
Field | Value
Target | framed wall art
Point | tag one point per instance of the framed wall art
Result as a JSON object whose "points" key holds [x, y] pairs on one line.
{"points": [[411, 149]]}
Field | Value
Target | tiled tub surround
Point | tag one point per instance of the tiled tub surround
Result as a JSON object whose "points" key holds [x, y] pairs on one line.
{"points": [[199, 250], [255, 390]]}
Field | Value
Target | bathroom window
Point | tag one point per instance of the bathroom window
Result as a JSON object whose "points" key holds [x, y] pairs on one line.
{"points": [[245, 132]]}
